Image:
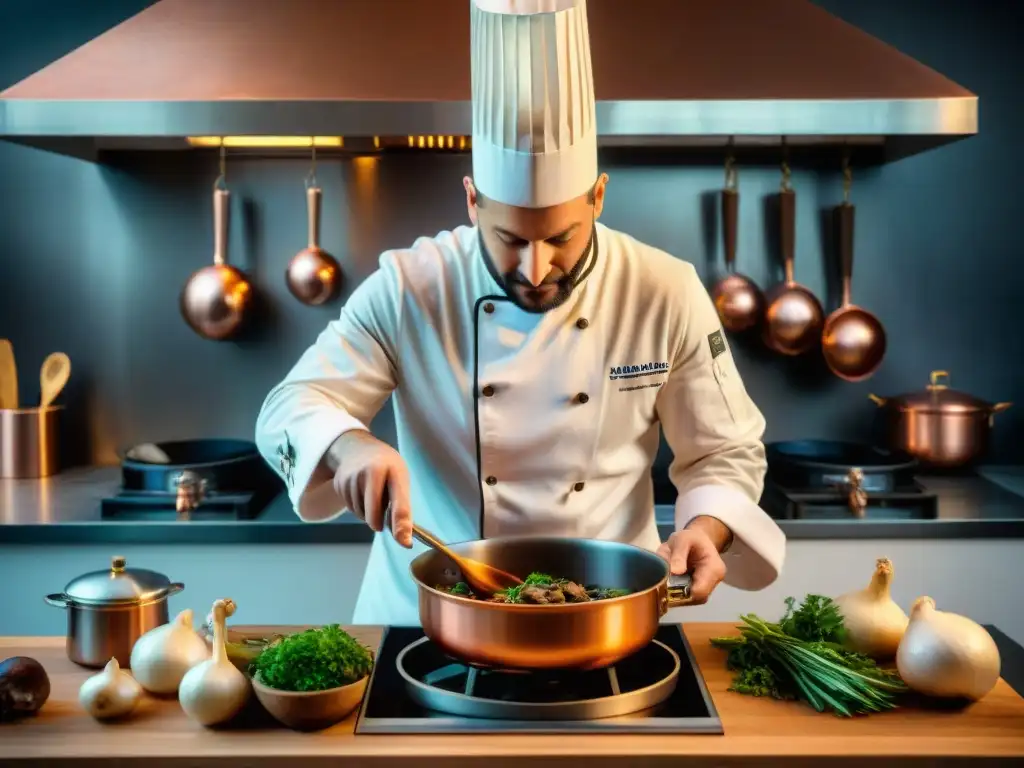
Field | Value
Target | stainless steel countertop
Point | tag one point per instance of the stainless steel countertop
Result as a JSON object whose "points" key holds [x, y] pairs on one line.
{"points": [[65, 508]]}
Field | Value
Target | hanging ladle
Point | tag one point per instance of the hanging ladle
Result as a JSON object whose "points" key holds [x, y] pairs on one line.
{"points": [[853, 340], [794, 316], [482, 578], [313, 275], [737, 298]]}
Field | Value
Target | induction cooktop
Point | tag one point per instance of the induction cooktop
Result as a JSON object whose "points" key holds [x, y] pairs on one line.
{"points": [[416, 688]]}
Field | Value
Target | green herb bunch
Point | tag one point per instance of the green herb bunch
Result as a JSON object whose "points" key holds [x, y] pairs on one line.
{"points": [[313, 660], [514, 594], [802, 658]]}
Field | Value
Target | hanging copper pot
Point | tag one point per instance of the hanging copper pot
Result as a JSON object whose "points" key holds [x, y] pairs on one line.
{"points": [[941, 427]]}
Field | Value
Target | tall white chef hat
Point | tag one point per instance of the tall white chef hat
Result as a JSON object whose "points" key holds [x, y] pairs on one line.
{"points": [[534, 127]]}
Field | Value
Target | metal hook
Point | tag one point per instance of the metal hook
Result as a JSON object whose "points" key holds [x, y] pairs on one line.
{"points": [[730, 171], [311, 176], [222, 180], [847, 176], [786, 173]]}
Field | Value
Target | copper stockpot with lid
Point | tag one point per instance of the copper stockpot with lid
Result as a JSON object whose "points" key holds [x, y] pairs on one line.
{"points": [[941, 427], [109, 610]]}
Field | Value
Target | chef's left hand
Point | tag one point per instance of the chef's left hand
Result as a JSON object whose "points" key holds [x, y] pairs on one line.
{"points": [[694, 551]]}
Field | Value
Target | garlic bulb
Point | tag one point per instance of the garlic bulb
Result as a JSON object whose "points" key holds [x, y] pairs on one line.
{"points": [[162, 656], [214, 691], [110, 693], [874, 623], [946, 655]]}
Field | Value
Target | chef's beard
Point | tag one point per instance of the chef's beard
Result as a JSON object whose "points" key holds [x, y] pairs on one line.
{"points": [[513, 282]]}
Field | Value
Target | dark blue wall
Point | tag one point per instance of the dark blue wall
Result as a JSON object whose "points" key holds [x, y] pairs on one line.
{"points": [[92, 259]]}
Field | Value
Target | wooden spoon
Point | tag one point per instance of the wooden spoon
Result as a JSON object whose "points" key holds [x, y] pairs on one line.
{"points": [[52, 377], [482, 578], [8, 377]]}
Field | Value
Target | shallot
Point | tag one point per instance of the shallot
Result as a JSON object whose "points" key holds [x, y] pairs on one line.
{"points": [[946, 655], [874, 622], [111, 693]]}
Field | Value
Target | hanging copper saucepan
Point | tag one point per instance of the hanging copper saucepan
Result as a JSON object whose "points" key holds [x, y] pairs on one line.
{"points": [[217, 300], [313, 275], [793, 316], [737, 298], [853, 340], [941, 427]]}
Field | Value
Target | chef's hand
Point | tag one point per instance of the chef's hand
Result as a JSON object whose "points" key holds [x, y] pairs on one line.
{"points": [[696, 550], [368, 473]]}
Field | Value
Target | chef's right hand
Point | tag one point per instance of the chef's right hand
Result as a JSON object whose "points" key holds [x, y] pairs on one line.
{"points": [[369, 473]]}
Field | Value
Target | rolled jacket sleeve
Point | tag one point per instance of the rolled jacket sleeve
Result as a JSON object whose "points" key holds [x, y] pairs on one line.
{"points": [[715, 432], [338, 385]]}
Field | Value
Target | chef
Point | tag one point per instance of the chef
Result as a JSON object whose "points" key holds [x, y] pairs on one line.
{"points": [[532, 358]]}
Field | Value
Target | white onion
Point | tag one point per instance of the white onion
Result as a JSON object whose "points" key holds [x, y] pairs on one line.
{"points": [[947, 655], [162, 656]]}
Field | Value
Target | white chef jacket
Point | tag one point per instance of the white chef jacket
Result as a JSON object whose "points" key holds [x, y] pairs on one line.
{"points": [[513, 422]]}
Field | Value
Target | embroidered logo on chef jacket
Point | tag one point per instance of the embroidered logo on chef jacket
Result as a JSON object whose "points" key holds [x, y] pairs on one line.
{"points": [[286, 455], [636, 371], [717, 343], [635, 376]]}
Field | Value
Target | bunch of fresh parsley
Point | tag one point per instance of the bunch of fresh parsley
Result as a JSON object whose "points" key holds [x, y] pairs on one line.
{"points": [[313, 660], [802, 658]]}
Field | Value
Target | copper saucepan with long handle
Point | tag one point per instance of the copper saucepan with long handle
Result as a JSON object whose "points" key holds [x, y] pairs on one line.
{"points": [[217, 301], [737, 298], [793, 315], [588, 635], [853, 340]]}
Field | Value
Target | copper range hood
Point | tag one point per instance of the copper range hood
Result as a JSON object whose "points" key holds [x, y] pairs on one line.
{"points": [[667, 72]]}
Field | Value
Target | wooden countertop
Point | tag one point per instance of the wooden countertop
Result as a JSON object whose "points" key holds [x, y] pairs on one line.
{"points": [[757, 731]]}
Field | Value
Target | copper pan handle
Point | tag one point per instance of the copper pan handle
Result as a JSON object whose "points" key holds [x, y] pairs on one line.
{"points": [[730, 214], [787, 212], [677, 593], [997, 408], [314, 196], [845, 219], [221, 212]]}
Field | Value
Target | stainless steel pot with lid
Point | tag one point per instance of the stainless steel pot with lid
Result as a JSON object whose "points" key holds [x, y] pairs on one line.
{"points": [[109, 610]]}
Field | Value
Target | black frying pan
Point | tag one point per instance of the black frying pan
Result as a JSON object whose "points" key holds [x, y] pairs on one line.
{"points": [[227, 466], [823, 464]]}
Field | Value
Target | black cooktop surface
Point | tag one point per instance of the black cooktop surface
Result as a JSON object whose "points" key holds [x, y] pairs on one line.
{"points": [[389, 707]]}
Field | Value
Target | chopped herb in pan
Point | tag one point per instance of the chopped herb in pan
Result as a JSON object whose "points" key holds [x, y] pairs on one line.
{"points": [[541, 589]]}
